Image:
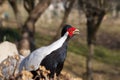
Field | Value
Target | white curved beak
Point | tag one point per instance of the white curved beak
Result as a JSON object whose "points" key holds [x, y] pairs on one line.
{"points": [[76, 31]]}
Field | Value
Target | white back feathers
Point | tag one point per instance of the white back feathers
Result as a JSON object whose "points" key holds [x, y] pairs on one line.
{"points": [[33, 60]]}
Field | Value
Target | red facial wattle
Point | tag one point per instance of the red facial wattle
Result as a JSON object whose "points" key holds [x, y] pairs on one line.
{"points": [[70, 31]]}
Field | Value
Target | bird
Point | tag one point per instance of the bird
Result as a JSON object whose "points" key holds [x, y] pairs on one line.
{"points": [[52, 57]]}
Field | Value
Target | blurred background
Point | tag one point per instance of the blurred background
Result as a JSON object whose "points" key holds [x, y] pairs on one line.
{"points": [[92, 55]]}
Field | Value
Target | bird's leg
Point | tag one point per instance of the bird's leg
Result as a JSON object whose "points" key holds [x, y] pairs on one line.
{"points": [[59, 68], [36, 76]]}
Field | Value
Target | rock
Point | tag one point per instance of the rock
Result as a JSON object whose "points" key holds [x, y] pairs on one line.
{"points": [[7, 49]]}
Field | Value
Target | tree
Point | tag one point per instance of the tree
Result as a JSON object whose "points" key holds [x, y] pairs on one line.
{"points": [[115, 8], [95, 11], [16, 11], [34, 12], [68, 7]]}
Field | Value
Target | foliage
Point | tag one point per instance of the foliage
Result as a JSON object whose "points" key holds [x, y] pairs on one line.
{"points": [[42, 73], [9, 34]]}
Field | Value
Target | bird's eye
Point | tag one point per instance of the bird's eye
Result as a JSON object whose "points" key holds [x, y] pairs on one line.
{"points": [[70, 30]]}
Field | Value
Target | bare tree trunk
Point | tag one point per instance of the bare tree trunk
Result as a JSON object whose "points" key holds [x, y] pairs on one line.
{"points": [[93, 22], [14, 6], [1, 2], [29, 5], [66, 14], [29, 26], [89, 62]]}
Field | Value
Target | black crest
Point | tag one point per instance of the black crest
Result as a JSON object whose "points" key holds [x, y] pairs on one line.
{"points": [[65, 28]]}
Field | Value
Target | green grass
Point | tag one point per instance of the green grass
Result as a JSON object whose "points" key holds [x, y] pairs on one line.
{"points": [[41, 39], [102, 54], [108, 56], [9, 34], [78, 48]]}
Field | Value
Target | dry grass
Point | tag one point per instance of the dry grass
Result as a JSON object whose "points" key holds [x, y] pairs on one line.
{"points": [[8, 73]]}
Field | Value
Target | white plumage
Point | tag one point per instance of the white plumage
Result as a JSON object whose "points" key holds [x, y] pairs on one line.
{"points": [[33, 60]]}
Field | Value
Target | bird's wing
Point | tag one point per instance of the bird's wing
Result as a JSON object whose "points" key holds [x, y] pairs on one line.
{"points": [[32, 62]]}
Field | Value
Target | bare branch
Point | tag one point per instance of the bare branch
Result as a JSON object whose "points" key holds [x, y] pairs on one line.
{"points": [[13, 3], [29, 5], [29, 26], [68, 8], [15, 8]]}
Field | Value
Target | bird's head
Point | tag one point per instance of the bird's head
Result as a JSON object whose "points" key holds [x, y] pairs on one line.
{"points": [[70, 29]]}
